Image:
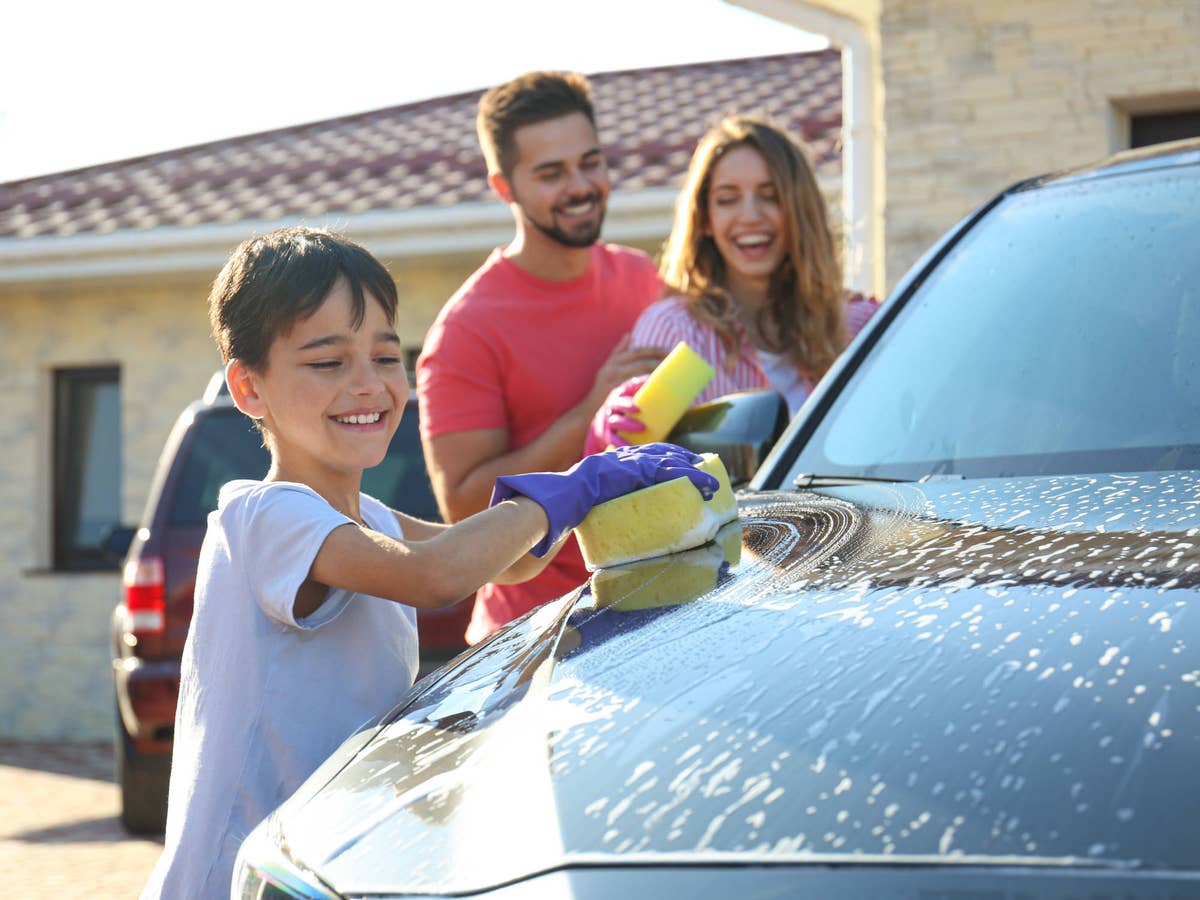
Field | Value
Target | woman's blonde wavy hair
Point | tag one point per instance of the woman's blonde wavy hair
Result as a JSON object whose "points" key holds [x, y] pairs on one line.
{"points": [[806, 292]]}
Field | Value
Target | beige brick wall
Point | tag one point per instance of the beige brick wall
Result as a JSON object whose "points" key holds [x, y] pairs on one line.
{"points": [[54, 669], [55, 679], [981, 94]]}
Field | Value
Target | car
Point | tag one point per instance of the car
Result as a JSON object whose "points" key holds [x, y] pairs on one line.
{"points": [[948, 650], [211, 443]]}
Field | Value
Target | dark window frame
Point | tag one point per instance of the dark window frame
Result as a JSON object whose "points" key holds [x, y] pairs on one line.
{"points": [[68, 385]]}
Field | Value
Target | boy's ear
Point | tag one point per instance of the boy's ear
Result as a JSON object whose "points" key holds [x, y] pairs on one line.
{"points": [[243, 390], [500, 186]]}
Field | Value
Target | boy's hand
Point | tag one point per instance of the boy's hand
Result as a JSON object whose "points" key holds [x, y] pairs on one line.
{"points": [[567, 497]]}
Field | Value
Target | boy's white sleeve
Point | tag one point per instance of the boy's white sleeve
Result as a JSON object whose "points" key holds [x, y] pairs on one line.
{"points": [[283, 528]]}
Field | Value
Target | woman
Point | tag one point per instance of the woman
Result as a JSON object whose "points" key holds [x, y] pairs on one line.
{"points": [[752, 272]]}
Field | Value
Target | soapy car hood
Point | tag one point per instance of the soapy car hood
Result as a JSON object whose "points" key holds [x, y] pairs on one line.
{"points": [[998, 673]]}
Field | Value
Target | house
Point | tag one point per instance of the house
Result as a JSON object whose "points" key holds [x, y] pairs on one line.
{"points": [[922, 110], [104, 272], [948, 101]]}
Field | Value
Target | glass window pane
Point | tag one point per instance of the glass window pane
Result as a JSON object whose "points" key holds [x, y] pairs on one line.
{"points": [[88, 465], [1062, 335]]}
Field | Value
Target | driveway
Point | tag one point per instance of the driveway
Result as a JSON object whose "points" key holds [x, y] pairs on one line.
{"points": [[59, 833]]}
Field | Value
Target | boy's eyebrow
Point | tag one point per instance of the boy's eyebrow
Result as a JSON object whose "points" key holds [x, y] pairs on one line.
{"points": [[331, 340]]}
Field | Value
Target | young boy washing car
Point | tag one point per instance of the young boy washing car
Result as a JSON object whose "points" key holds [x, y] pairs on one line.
{"points": [[304, 624]]}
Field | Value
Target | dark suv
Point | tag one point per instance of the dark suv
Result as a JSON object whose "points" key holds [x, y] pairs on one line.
{"points": [[212, 443]]}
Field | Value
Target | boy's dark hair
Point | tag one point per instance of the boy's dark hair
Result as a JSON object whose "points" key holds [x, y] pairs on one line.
{"points": [[526, 100], [272, 281]]}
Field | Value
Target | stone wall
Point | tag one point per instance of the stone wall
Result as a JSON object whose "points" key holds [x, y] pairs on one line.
{"points": [[55, 679], [981, 94]]}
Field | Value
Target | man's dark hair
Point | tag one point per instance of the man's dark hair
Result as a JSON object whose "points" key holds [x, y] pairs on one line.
{"points": [[527, 100], [272, 281]]}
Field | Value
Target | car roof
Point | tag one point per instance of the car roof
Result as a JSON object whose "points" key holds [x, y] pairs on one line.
{"points": [[1155, 156], [216, 392]]}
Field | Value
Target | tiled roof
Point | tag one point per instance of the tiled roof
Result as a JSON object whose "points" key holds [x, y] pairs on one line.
{"points": [[423, 154]]}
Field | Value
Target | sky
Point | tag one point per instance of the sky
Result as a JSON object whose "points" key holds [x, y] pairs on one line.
{"points": [[86, 83]]}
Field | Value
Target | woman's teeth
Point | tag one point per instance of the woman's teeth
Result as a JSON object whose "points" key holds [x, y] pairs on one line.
{"points": [[755, 240]]}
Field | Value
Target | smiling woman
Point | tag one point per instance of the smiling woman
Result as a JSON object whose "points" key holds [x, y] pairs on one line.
{"points": [[753, 270]]}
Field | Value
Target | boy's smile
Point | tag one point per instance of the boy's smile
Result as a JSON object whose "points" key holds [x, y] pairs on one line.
{"points": [[331, 396]]}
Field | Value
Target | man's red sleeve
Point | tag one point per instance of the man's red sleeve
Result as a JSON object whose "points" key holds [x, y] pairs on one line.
{"points": [[459, 382]]}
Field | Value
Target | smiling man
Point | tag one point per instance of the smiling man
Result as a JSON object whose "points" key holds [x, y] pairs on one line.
{"points": [[522, 356]]}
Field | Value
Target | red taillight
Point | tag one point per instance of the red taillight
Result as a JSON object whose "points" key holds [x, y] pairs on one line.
{"points": [[145, 597]]}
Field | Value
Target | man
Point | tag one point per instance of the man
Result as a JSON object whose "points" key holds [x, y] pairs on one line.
{"points": [[524, 354]]}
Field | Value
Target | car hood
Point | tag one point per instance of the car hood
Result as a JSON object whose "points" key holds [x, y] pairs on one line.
{"points": [[995, 672]]}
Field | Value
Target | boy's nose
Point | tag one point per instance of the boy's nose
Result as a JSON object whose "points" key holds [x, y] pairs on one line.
{"points": [[364, 379]]}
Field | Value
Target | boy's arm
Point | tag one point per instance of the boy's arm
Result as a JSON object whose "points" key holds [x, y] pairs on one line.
{"points": [[528, 566], [530, 512], [439, 571]]}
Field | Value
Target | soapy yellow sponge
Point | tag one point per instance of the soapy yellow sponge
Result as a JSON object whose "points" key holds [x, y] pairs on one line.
{"points": [[668, 580], [667, 394], [663, 518]]}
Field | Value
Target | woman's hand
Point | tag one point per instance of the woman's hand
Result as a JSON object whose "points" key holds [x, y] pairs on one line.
{"points": [[616, 414]]}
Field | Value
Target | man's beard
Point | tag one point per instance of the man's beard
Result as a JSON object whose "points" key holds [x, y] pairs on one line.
{"points": [[558, 235]]}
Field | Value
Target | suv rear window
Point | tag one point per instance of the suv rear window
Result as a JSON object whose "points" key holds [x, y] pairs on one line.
{"points": [[225, 446]]}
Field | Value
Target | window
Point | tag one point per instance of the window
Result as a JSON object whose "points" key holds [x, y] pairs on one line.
{"points": [[87, 465], [1156, 129]]}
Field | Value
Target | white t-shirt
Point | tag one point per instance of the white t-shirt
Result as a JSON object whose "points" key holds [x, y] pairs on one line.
{"points": [[264, 698], [785, 378]]}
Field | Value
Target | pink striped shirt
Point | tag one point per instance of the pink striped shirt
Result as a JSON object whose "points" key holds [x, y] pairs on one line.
{"points": [[667, 322]]}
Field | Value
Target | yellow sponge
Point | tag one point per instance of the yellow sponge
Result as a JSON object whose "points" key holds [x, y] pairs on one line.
{"points": [[668, 393], [663, 518], [668, 580]]}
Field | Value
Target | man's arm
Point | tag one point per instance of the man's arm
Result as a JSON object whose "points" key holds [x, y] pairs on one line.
{"points": [[464, 465]]}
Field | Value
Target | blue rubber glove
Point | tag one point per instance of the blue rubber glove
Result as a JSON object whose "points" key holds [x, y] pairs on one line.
{"points": [[569, 496]]}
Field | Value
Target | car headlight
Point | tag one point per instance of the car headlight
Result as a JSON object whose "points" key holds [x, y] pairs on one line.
{"points": [[264, 871]]}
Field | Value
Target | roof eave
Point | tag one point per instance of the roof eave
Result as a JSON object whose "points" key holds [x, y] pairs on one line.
{"points": [[426, 232]]}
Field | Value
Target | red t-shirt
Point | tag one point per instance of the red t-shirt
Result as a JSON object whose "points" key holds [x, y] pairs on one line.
{"points": [[512, 351]]}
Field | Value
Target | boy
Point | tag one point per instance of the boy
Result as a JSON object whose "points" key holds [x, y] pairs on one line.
{"points": [[294, 644]]}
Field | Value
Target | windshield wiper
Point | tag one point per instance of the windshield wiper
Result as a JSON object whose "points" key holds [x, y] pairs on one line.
{"points": [[806, 480]]}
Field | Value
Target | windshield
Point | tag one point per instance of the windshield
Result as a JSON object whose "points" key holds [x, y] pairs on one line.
{"points": [[1061, 335]]}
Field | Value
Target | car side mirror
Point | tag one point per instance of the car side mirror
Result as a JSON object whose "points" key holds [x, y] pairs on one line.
{"points": [[115, 542], [741, 428]]}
